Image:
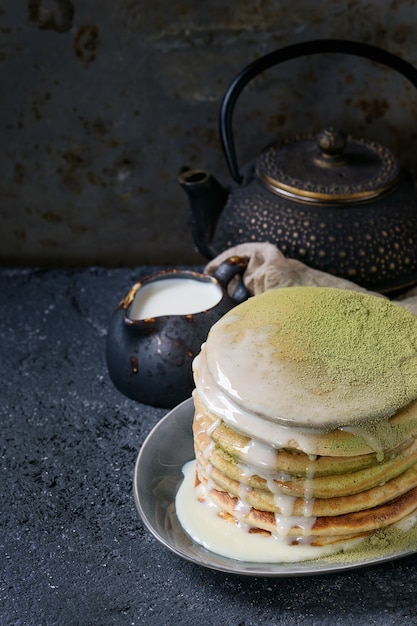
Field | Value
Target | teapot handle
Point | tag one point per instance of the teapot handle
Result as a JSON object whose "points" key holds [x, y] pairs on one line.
{"points": [[285, 54]]}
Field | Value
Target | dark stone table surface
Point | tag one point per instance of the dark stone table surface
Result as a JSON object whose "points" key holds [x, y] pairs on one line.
{"points": [[73, 549]]}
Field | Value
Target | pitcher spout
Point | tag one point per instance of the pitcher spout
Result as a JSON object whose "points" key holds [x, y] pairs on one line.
{"points": [[207, 198]]}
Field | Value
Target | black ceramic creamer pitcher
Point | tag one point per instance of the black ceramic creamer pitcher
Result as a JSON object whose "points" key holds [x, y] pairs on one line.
{"points": [[158, 328]]}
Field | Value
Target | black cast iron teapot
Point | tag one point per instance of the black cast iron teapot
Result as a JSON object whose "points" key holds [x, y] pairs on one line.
{"points": [[339, 204]]}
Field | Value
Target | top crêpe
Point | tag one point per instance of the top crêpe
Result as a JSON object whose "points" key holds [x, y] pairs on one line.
{"points": [[316, 357]]}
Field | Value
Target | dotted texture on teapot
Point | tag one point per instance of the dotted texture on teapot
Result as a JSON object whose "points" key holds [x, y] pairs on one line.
{"points": [[347, 241]]}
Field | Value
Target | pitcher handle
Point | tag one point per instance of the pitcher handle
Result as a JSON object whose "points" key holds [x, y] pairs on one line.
{"points": [[285, 54], [228, 269]]}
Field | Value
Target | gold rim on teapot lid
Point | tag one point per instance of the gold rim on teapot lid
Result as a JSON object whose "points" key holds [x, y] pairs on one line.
{"points": [[328, 167]]}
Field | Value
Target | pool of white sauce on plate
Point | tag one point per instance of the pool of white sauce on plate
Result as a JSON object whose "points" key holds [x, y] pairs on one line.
{"points": [[201, 522], [174, 296]]}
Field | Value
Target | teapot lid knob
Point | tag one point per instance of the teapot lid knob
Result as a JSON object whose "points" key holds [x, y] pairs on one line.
{"points": [[328, 167], [332, 143]]}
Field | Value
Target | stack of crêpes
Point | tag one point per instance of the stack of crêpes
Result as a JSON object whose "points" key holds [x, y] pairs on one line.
{"points": [[305, 419]]}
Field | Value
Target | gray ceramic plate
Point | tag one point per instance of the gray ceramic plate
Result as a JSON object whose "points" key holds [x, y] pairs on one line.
{"points": [[156, 480]]}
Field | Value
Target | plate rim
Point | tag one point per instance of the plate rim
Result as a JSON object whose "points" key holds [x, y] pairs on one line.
{"points": [[314, 567]]}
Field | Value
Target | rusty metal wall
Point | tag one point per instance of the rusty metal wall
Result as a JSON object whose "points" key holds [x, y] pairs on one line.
{"points": [[103, 102]]}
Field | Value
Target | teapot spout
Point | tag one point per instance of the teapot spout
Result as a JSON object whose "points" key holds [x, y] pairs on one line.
{"points": [[207, 198]]}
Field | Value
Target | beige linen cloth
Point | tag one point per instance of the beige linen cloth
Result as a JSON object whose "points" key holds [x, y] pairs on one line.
{"points": [[268, 268]]}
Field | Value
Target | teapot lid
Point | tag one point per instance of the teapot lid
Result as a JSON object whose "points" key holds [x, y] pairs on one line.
{"points": [[329, 167]]}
